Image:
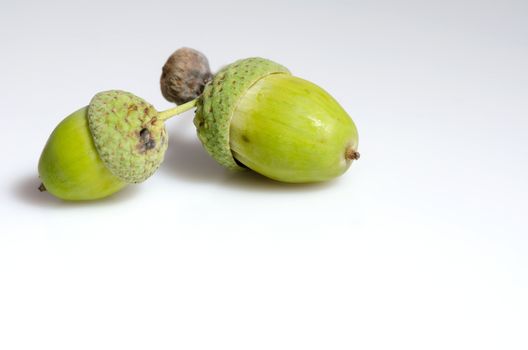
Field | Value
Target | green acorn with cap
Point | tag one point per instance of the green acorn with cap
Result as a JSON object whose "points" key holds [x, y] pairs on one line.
{"points": [[118, 139], [255, 114], [252, 114]]}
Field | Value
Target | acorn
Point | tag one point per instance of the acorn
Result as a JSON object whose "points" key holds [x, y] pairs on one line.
{"points": [[184, 75], [118, 139], [255, 114]]}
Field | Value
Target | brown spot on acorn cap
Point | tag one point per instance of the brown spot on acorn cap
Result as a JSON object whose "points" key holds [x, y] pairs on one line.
{"points": [[185, 75]]}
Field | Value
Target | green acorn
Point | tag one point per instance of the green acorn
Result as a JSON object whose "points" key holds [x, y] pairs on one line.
{"points": [[116, 140], [255, 114]]}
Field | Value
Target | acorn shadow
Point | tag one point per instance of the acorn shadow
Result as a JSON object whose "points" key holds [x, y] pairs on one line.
{"points": [[27, 191], [186, 158]]}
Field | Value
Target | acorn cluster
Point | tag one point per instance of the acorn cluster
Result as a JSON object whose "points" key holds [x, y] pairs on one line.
{"points": [[252, 114]]}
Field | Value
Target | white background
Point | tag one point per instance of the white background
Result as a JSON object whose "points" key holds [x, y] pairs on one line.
{"points": [[422, 244]]}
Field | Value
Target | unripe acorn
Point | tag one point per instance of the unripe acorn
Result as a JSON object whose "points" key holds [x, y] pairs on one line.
{"points": [[255, 114], [116, 140]]}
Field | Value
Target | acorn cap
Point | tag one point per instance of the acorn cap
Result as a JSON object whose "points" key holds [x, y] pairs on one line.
{"points": [[127, 134], [219, 100]]}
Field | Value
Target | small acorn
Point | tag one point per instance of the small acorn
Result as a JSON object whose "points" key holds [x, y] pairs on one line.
{"points": [[116, 140], [184, 75], [254, 114]]}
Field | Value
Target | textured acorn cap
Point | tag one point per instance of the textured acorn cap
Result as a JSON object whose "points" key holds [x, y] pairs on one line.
{"points": [[127, 134], [219, 100]]}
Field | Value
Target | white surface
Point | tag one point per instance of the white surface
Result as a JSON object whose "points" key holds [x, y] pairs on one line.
{"points": [[421, 245]]}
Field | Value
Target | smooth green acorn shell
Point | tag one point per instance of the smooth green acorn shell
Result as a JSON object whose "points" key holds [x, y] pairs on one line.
{"points": [[128, 135], [291, 130], [70, 167], [278, 125], [219, 99]]}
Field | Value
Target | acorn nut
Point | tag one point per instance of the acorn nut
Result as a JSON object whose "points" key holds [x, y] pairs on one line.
{"points": [[118, 139], [255, 114], [184, 75]]}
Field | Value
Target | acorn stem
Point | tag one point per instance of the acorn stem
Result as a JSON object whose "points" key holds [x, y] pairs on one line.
{"points": [[351, 154], [42, 188], [177, 110]]}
